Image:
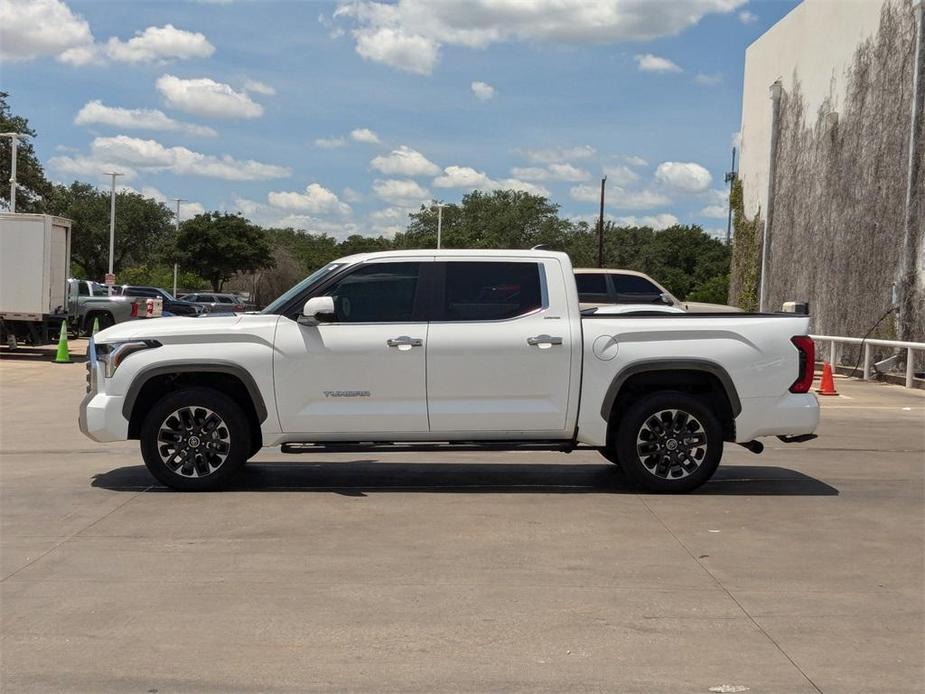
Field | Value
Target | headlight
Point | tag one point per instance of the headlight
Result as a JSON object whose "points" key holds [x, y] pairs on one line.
{"points": [[113, 354]]}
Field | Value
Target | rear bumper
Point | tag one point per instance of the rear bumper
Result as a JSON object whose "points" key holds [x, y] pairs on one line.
{"points": [[792, 414]]}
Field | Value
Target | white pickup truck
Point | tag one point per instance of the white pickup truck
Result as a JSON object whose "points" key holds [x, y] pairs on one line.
{"points": [[449, 349]]}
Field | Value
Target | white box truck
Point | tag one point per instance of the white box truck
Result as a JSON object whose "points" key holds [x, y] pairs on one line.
{"points": [[35, 255]]}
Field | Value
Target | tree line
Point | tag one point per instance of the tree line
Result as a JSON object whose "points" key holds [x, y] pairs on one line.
{"points": [[226, 251]]}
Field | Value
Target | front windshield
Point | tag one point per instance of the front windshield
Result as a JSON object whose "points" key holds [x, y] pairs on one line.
{"points": [[277, 305], [167, 295]]}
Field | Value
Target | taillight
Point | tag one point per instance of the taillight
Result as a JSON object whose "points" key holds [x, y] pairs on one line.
{"points": [[807, 350], [134, 309], [238, 307]]}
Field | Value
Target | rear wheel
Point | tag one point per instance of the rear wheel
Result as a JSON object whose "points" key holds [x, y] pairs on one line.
{"points": [[195, 439], [669, 442]]}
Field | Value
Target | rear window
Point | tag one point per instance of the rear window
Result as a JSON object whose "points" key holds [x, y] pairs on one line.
{"points": [[478, 291], [592, 287], [225, 299], [631, 289]]}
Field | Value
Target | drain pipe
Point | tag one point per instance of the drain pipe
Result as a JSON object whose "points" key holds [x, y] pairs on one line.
{"points": [[775, 93], [907, 268]]}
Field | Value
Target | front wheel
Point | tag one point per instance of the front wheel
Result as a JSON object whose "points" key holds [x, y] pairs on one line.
{"points": [[669, 442], [195, 439]]}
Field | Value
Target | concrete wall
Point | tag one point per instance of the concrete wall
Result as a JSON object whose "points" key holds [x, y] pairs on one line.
{"points": [[839, 230]]}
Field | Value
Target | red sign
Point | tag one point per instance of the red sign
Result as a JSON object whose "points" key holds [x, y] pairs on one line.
{"points": [[110, 279]]}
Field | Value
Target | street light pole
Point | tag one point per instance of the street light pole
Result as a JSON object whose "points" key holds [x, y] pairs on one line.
{"points": [[440, 207], [600, 228], [112, 221], [14, 145], [177, 220]]}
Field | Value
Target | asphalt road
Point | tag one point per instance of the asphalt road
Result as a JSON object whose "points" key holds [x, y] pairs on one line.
{"points": [[800, 570]]}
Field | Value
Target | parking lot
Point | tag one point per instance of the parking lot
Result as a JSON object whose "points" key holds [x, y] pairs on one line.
{"points": [[800, 570]]}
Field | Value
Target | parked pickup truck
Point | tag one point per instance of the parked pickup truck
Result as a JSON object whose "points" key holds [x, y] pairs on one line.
{"points": [[445, 349], [90, 301]]}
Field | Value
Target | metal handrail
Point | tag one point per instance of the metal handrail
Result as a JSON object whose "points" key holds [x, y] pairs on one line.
{"points": [[910, 347]]}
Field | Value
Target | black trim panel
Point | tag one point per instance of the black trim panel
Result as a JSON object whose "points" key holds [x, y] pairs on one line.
{"points": [[225, 367], [671, 365]]}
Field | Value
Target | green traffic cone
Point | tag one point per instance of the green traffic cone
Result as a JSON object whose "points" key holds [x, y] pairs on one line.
{"points": [[63, 356], [96, 326]]}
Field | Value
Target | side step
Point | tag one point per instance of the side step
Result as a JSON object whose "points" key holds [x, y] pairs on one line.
{"points": [[432, 446]]}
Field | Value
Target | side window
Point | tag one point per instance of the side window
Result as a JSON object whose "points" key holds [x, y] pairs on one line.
{"points": [[224, 299], [376, 293], [631, 289], [592, 287], [83, 289], [477, 291]]}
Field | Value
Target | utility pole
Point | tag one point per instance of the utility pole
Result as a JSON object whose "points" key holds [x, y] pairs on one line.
{"points": [[730, 179], [177, 220], [440, 207], [14, 144], [600, 228], [112, 224]]}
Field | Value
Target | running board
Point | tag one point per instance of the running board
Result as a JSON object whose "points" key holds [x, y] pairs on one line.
{"points": [[431, 447]]}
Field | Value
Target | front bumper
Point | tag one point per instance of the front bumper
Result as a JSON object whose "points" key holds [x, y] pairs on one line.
{"points": [[100, 416]]}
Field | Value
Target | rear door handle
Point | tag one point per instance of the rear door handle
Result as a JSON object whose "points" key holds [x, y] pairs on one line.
{"points": [[404, 342], [544, 340]]}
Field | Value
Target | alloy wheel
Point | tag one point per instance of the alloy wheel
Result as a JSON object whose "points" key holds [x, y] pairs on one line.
{"points": [[671, 444], [193, 441]]}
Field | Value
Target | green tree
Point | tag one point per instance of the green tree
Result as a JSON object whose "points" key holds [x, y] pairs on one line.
{"points": [[32, 186], [499, 219], [143, 228], [216, 246]]}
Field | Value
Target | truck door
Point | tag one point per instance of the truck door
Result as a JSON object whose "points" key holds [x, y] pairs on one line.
{"points": [[499, 351], [364, 371]]}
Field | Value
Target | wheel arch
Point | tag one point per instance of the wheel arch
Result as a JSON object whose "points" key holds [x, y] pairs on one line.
{"points": [[152, 383], [695, 376]]}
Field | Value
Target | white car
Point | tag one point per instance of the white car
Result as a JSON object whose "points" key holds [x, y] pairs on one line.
{"points": [[605, 286], [426, 350]]}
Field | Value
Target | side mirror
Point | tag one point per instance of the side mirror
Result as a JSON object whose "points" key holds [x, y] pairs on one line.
{"points": [[315, 308], [665, 299]]}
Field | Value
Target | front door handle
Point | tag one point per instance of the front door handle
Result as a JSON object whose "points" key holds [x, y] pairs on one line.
{"points": [[544, 340], [404, 342]]}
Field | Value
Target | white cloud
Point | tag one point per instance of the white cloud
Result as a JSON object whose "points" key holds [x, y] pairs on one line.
{"points": [[351, 195], [268, 216], [205, 97], [187, 209], [687, 177], [467, 178], [619, 197], [96, 112], [316, 199], [404, 193], [89, 167], [747, 17], [128, 154], [364, 135], [714, 212], [330, 142], [620, 175], [258, 87], [554, 155], [653, 63], [159, 43], [736, 139], [32, 29], [708, 80], [404, 161], [482, 91], [633, 160], [397, 49], [659, 221], [554, 172], [408, 34]]}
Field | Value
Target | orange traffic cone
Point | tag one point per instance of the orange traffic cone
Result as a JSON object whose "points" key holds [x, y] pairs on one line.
{"points": [[827, 384]]}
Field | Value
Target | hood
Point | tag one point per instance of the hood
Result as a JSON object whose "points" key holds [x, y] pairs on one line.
{"points": [[186, 328]]}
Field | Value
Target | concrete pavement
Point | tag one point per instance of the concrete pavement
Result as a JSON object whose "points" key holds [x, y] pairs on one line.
{"points": [[800, 570]]}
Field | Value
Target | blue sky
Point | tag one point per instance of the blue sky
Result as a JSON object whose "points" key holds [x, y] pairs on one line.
{"points": [[341, 117]]}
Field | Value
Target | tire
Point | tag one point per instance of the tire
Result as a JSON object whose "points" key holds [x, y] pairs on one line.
{"points": [[654, 454], [212, 422], [610, 454]]}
